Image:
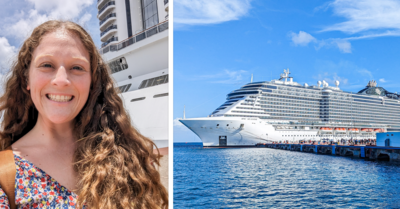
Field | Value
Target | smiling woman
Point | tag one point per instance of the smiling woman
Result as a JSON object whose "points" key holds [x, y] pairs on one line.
{"points": [[67, 132]]}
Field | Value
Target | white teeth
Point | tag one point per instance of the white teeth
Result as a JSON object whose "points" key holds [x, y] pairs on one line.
{"points": [[58, 98]]}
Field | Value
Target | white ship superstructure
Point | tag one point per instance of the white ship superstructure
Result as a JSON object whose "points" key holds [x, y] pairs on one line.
{"points": [[286, 111], [134, 35]]}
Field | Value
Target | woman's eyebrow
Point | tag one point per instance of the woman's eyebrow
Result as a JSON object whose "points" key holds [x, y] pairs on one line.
{"points": [[42, 56], [82, 59], [50, 55]]}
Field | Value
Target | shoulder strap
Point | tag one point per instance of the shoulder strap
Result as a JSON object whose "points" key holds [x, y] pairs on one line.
{"points": [[7, 174]]}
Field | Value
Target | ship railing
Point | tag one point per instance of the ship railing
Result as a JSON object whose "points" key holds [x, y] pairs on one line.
{"points": [[105, 6], [135, 38], [108, 29], [107, 17], [109, 41], [330, 124]]}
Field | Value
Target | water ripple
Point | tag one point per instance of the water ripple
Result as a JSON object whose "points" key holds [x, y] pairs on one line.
{"points": [[268, 178]]}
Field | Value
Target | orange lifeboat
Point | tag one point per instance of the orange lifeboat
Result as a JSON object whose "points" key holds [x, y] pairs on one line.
{"points": [[325, 129], [365, 129], [377, 130]]}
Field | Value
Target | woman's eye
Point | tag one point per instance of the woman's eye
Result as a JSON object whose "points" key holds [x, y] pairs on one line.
{"points": [[77, 68], [47, 65]]}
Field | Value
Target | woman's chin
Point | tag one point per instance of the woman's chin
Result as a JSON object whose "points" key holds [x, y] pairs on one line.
{"points": [[60, 119]]}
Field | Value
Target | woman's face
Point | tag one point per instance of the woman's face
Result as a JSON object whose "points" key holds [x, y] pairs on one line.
{"points": [[59, 76]]}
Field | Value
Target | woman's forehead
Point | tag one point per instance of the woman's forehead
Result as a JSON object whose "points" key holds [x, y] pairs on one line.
{"points": [[61, 42]]}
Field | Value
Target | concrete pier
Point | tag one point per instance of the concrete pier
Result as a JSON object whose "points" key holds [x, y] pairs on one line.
{"points": [[366, 152]]}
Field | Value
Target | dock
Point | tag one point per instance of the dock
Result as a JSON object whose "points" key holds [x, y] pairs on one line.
{"points": [[366, 152]]}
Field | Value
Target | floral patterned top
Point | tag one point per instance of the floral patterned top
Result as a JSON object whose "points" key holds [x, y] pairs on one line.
{"points": [[36, 189]]}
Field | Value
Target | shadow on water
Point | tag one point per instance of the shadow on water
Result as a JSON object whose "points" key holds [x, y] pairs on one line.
{"points": [[269, 178]]}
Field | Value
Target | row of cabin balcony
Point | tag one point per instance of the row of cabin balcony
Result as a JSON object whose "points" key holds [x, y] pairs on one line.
{"points": [[105, 9], [110, 40], [166, 5], [110, 30], [100, 3], [135, 38], [107, 19]]}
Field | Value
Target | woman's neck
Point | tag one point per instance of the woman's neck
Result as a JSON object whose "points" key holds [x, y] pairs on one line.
{"points": [[51, 134], [50, 147]]}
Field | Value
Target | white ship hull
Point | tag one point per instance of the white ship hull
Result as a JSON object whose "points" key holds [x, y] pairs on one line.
{"points": [[146, 60], [250, 131], [150, 115]]}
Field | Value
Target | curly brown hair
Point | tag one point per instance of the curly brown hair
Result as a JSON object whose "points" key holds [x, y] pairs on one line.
{"points": [[113, 160]]}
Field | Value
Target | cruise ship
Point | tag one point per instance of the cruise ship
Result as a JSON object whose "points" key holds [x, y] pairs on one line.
{"points": [[285, 111], [134, 36]]}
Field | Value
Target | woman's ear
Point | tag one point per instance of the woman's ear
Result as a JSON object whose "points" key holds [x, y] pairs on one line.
{"points": [[28, 88]]}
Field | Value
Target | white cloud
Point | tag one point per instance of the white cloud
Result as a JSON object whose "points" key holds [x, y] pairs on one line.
{"points": [[45, 10], [330, 78], [60, 8], [85, 18], [382, 80], [365, 15], [232, 77], [369, 18], [225, 77], [302, 39], [367, 73], [7, 53], [200, 12], [343, 45]]}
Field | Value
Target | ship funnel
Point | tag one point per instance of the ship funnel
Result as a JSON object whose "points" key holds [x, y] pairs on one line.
{"points": [[251, 81], [319, 83], [184, 116]]}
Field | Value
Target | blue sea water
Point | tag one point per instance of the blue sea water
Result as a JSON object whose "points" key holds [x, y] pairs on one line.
{"points": [[269, 178]]}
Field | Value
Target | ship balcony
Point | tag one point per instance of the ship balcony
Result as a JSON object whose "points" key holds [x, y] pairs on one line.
{"points": [[100, 3], [166, 5], [110, 41], [134, 39], [111, 30], [105, 9], [108, 19]]}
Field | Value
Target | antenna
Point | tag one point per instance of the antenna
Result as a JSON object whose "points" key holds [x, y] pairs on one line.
{"points": [[184, 116], [251, 81]]}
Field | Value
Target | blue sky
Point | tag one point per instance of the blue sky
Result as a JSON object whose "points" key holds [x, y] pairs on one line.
{"points": [[219, 44], [19, 18]]}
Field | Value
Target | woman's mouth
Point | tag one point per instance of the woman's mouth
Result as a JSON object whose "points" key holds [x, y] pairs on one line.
{"points": [[59, 98]]}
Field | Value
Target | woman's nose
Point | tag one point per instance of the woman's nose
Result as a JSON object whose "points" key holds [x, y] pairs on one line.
{"points": [[61, 77]]}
